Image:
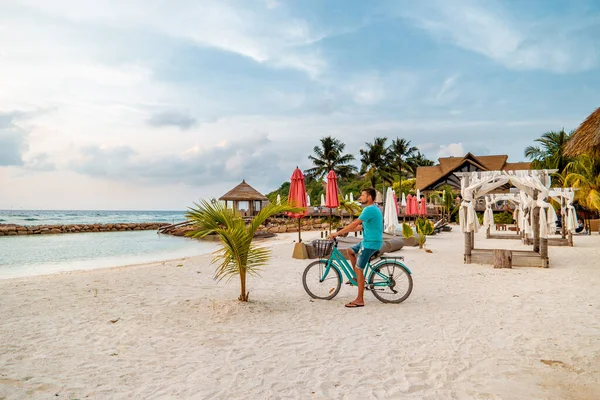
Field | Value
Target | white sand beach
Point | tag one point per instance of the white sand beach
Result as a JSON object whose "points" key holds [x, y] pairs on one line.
{"points": [[466, 332]]}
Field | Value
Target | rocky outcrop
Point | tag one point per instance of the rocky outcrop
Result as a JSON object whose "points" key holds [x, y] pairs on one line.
{"points": [[13, 230]]}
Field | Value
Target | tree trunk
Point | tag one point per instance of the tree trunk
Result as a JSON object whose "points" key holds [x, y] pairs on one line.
{"points": [[502, 258], [244, 295]]}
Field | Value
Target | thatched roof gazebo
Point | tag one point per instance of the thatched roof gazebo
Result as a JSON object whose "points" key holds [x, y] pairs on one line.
{"points": [[246, 194], [586, 138]]}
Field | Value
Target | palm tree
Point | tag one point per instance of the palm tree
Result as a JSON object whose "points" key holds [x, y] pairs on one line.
{"points": [[375, 161], [330, 156], [418, 160], [551, 152], [351, 207], [584, 174], [237, 256], [401, 150]]}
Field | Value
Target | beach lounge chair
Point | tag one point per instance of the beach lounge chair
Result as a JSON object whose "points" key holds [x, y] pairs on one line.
{"points": [[439, 226]]}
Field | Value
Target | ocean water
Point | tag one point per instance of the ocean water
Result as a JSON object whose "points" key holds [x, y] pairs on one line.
{"points": [[46, 254], [66, 217]]}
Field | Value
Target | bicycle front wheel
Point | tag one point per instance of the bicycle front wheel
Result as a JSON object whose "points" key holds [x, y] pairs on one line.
{"points": [[319, 286], [390, 282]]}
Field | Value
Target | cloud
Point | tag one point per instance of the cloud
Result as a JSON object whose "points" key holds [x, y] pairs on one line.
{"points": [[13, 140], [273, 38], [40, 162], [519, 44], [172, 118], [199, 165], [451, 150], [448, 92]]}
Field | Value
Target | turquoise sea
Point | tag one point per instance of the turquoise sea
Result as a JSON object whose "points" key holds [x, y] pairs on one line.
{"points": [[46, 254], [66, 217]]}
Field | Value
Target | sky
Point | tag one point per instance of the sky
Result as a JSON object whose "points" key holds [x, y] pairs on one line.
{"points": [[154, 104]]}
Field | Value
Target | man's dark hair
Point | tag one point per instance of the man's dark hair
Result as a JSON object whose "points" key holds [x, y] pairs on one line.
{"points": [[371, 192]]}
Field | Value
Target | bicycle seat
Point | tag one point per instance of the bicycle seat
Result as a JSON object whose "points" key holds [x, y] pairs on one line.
{"points": [[374, 256]]}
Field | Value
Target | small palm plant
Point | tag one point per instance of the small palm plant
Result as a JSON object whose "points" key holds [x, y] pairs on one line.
{"points": [[237, 256], [407, 231], [424, 228]]}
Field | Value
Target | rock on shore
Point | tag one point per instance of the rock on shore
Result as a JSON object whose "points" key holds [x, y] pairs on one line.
{"points": [[14, 230]]}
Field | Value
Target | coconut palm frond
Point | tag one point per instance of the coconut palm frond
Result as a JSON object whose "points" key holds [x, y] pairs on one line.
{"points": [[234, 253], [257, 257], [208, 217], [270, 210], [236, 256]]}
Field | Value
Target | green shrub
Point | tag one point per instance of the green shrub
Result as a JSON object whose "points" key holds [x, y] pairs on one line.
{"points": [[503, 218], [407, 231], [424, 228]]}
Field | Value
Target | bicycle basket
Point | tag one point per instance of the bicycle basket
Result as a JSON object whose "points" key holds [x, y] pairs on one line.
{"points": [[322, 248]]}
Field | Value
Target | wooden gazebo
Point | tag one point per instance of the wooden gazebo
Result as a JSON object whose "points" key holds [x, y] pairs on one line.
{"points": [[244, 193]]}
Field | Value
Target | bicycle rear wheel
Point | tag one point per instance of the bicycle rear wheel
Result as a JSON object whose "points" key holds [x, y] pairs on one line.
{"points": [[390, 282], [319, 287]]}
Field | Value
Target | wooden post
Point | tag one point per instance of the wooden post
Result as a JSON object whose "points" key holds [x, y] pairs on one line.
{"points": [[487, 233], [570, 239], [468, 247], [562, 218], [544, 250], [472, 240], [536, 224], [502, 258]]}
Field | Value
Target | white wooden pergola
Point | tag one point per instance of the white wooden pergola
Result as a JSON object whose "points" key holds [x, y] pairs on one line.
{"points": [[538, 217], [488, 216]]}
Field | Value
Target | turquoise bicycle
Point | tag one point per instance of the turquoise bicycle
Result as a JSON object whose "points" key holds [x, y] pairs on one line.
{"points": [[388, 279]]}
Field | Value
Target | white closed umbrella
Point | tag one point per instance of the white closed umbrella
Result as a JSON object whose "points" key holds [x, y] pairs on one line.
{"points": [[403, 203], [351, 197], [322, 200], [390, 213], [418, 195], [308, 200], [278, 199], [346, 197]]}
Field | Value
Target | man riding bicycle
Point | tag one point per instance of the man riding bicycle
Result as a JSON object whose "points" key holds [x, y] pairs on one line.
{"points": [[371, 222]]}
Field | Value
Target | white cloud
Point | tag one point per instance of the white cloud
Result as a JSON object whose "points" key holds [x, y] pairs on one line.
{"points": [[451, 150], [238, 27], [515, 43], [448, 91]]}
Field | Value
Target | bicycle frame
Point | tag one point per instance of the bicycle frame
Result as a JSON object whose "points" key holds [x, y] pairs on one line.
{"points": [[336, 260]]}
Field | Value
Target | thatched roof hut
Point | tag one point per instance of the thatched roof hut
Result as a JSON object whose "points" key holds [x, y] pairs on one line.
{"points": [[245, 193], [586, 138]]}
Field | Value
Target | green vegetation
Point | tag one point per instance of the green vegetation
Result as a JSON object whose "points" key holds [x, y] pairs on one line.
{"points": [[394, 165], [582, 172], [424, 228], [407, 231], [237, 256]]}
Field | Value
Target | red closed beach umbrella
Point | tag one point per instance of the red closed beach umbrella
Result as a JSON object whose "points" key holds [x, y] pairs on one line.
{"points": [[409, 205], [331, 194], [423, 208], [415, 206], [297, 196]]}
